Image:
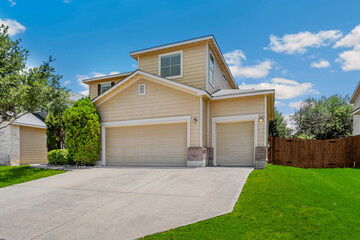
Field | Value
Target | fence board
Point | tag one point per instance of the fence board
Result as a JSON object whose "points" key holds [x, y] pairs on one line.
{"points": [[309, 153]]}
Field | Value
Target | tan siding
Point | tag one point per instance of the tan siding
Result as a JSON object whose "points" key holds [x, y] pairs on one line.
{"points": [[357, 102], [219, 82], [193, 64], [93, 86], [159, 101], [32, 145], [239, 106], [161, 144]]}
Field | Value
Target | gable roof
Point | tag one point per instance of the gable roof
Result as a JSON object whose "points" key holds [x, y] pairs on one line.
{"points": [[210, 38], [355, 94], [187, 88], [30, 120], [106, 77]]}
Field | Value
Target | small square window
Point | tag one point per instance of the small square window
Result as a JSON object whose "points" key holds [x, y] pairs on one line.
{"points": [[141, 89]]}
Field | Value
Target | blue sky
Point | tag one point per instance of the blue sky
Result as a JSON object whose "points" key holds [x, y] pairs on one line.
{"points": [[300, 48]]}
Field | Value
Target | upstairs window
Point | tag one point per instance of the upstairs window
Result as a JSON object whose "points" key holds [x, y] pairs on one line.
{"points": [[211, 69], [104, 87], [170, 65]]}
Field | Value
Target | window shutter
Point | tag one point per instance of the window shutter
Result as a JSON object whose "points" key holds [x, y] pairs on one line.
{"points": [[112, 83], [99, 89]]}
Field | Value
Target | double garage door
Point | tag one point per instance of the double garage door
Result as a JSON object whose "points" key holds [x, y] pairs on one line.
{"points": [[166, 144], [152, 145]]}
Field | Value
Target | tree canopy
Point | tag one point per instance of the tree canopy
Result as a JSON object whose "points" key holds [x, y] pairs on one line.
{"points": [[82, 132], [324, 118], [25, 90], [277, 127]]}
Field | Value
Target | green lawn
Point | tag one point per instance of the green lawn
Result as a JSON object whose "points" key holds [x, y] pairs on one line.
{"points": [[286, 203], [14, 175]]}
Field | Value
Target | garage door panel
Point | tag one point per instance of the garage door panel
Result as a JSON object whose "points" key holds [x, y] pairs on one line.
{"points": [[235, 144], [160, 144]]}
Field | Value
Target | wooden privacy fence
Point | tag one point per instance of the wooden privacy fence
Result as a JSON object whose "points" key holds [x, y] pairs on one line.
{"points": [[309, 153]]}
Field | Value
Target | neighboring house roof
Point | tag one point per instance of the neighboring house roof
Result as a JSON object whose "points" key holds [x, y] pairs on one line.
{"points": [[29, 120], [73, 96], [210, 38], [107, 77], [231, 93], [355, 94]]}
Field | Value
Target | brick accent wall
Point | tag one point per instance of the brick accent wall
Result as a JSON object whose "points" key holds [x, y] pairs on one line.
{"points": [[260, 157], [10, 145], [195, 155]]}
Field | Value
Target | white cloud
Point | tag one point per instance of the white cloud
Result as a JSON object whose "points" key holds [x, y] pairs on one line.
{"points": [[14, 26], [299, 42], [290, 123], [296, 104], [320, 64], [234, 60], [66, 82], [113, 73], [85, 92], [12, 3], [350, 60], [67, 1], [284, 88], [279, 104]]}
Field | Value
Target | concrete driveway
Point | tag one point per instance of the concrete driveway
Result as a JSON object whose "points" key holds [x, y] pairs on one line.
{"points": [[117, 203]]}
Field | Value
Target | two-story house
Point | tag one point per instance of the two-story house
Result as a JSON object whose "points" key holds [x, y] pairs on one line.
{"points": [[181, 107], [355, 101]]}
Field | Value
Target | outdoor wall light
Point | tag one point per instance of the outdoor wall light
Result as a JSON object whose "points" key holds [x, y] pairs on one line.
{"points": [[194, 120], [261, 119]]}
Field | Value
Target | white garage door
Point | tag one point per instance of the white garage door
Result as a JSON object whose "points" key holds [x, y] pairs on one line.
{"points": [[235, 144], [158, 145]]}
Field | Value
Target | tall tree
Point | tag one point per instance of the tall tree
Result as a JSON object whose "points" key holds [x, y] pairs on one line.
{"points": [[25, 90], [277, 127], [324, 118]]}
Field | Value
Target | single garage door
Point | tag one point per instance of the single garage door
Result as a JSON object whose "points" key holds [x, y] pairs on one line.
{"points": [[157, 145], [32, 145], [235, 144]]}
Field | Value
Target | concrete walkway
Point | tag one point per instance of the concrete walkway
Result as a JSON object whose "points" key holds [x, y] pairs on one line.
{"points": [[117, 203]]}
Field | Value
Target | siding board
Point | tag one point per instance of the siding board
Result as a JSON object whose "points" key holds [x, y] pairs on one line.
{"points": [[159, 101]]}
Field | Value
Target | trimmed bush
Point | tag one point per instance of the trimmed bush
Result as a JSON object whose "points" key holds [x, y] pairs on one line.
{"points": [[55, 132], [60, 157], [82, 132]]}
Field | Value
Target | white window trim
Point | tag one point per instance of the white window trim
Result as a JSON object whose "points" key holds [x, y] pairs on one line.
{"points": [[235, 118], [181, 63], [148, 121], [139, 86], [101, 86], [209, 69]]}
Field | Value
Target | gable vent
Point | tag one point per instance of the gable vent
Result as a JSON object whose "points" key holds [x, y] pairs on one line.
{"points": [[141, 89]]}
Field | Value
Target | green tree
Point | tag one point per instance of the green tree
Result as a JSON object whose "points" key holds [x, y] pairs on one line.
{"points": [[55, 131], [324, 118], [82, 132], [25, 90], [277, 127]]}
